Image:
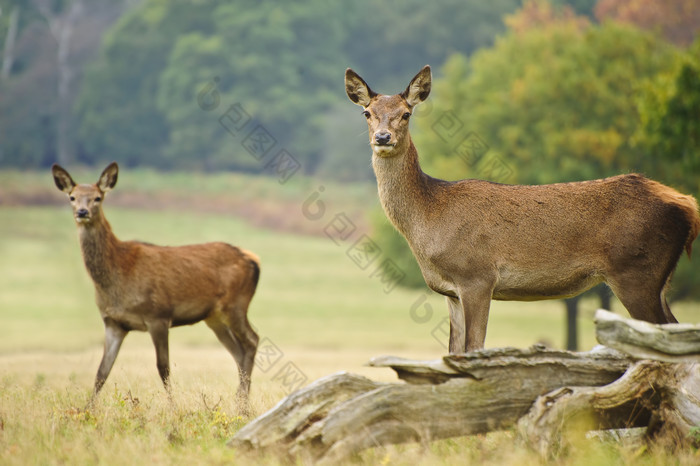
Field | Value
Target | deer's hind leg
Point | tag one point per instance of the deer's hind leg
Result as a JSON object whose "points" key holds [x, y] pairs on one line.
{"points": [[238, 337], [640, 281], [114, 336], [643, 296], [670, 318], [159, 334]]}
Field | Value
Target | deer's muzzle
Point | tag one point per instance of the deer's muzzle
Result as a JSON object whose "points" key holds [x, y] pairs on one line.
{"points": [[382, 138]]}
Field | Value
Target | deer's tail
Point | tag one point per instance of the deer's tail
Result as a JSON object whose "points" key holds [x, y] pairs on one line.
{"points": [[694, 218], [687, 204]]}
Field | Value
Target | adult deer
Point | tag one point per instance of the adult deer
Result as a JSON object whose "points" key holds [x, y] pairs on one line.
{"points": [[140, 286], [475, 240]]}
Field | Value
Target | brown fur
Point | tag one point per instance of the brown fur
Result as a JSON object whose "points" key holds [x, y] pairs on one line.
{"points": [[687, 204], [144, 287], [476, 240]]}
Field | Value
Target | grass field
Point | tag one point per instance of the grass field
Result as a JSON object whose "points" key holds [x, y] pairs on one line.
{"points": [[316, 311]]}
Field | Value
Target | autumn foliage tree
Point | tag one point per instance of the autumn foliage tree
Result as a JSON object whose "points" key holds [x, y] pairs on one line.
{"points": [[677, 20], [534, 14], [669, 130], [555, 99]]}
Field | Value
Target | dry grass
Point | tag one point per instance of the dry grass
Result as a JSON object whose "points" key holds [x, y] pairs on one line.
{"points": [[43, 420], [314, 306]]}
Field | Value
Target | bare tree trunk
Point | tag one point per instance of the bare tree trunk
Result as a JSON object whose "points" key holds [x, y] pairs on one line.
{"points": [[572, 323], [61, 25], [8, 53], [571, 304], [605, 296]]}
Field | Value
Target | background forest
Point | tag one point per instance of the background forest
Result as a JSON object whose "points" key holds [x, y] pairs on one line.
{"points": [[524, 92]]}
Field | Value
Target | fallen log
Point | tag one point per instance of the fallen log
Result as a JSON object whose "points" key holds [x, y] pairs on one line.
{"points": [[642, 340], [301, 409], [669, 391], [459, 395], [511, 362], [541, 391], [663, 397]]}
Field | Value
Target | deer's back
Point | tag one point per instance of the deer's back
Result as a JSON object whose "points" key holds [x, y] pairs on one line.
{"points": [[181, 283], [575, 213], [568, 234]]}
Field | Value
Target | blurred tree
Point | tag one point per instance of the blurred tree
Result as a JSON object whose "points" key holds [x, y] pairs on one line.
{"points": [[534, 14], [346, 152], [11, 9], [118, 106], [581, 7], [43, 75], [677, 20], [555, 103], [669, 133], [280, 61], [62, 18], [195, 140], [285, 61], [391, 40]]}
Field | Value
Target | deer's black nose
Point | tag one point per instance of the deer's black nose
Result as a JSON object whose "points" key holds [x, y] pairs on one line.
{"points": [[382, 138], [82, 213]]}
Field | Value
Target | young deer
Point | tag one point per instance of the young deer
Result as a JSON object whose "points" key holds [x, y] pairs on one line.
{"points": [[140, 286], [476, 240]]}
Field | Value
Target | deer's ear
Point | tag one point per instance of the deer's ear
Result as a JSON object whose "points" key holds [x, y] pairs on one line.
{"points": [[357, 89], [63, 180], [108, 178], [419, 87]]}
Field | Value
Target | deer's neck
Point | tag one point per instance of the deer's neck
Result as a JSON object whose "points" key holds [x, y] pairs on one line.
{"points": [[404, 190], [99, 246]]}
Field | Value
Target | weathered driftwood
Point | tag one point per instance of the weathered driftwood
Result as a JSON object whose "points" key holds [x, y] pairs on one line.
{"points": [[663, 396], [294, 414], [669, 342], [541, 391], [458, 395], [488, 363]]}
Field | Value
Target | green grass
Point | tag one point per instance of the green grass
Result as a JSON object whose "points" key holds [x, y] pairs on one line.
{"points": [[313, 303], [309, 287]]}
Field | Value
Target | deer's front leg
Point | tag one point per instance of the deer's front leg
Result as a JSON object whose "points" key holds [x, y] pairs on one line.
{"points": [[114, 336], [159, 334], [476, 302], [458, 332], [469, 316]]}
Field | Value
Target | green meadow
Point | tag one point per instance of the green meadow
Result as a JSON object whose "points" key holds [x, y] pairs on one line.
{"points": [[316, 310]]}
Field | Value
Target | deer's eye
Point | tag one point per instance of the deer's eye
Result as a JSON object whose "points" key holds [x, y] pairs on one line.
{"points": [[72, 198], [98, 199], [406, 115], [366, 114]]}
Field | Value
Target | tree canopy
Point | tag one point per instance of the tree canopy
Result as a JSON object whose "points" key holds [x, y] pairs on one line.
{"points": [[555, 102], [281, 63]]}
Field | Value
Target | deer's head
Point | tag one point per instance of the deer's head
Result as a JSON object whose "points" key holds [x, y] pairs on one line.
{"points": [[86, 199], [388, 115]]}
